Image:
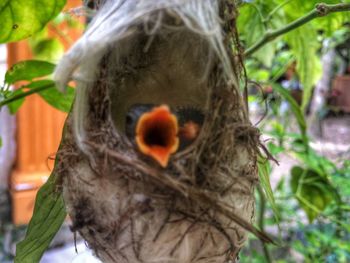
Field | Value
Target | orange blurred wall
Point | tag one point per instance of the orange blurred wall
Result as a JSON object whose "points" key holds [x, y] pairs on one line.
{"points": [[39, 128]]}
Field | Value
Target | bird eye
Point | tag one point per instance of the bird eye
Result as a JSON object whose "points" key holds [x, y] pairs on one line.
{"points": [[190, 121], [130, 125], [129, 119], [132, 116]]}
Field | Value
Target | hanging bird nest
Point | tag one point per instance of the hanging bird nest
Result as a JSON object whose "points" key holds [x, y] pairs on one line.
{"points": [[198, 205]]}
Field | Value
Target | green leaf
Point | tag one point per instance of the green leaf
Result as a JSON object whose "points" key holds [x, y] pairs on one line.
{"points": [[60, 101], [48, 49], [313, 191], [250, 24], [278, 129], [49, 214], [20, 19], [264, 169], [275, 149], [45, 47], [266, 54], [280, 64], [304, 45], [296, 111], [0, 142], [316, 162], [15, 105], [255, 71], [28, 70]]}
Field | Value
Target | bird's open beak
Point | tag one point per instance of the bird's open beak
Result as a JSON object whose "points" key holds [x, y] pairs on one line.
{"points": [[156, 134]]}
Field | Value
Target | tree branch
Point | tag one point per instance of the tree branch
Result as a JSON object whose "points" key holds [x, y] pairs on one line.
{"points": [[24, 94], [320, 10]]}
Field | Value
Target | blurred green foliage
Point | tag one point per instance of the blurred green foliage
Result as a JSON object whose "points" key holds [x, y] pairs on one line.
{"points": [[301, 45], [312, 200]]}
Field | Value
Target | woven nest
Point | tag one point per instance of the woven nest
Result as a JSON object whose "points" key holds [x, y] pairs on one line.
{"points": [[198, 208]]}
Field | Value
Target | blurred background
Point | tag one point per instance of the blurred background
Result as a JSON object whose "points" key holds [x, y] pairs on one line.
{"points": [[298, 95]]}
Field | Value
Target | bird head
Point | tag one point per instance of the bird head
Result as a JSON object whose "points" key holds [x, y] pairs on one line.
{"points": [[158, 132]]}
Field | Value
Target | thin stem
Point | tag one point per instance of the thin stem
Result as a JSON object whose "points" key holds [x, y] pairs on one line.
{"points": [[262, 208], [267, 19], [319, 11], [24, 94], [262, 19]]}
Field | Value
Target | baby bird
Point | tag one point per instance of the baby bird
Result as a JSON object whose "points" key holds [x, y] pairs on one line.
{"points": [[159, 131]]}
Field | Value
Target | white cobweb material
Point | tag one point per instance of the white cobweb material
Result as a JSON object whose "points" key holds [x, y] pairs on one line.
{"points": [[118, 19]]}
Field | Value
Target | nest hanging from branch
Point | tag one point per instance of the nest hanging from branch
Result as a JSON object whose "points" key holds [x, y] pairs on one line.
{"points": [[198, 205]]}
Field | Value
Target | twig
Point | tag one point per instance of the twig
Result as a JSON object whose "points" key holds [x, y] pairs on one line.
{"points": [[320, 10], [204, 197], [262, 19], [24, 94], [264, 100]]}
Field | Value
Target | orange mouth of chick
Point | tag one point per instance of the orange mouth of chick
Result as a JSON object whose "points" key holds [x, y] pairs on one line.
{"points": [[157, 134]]}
